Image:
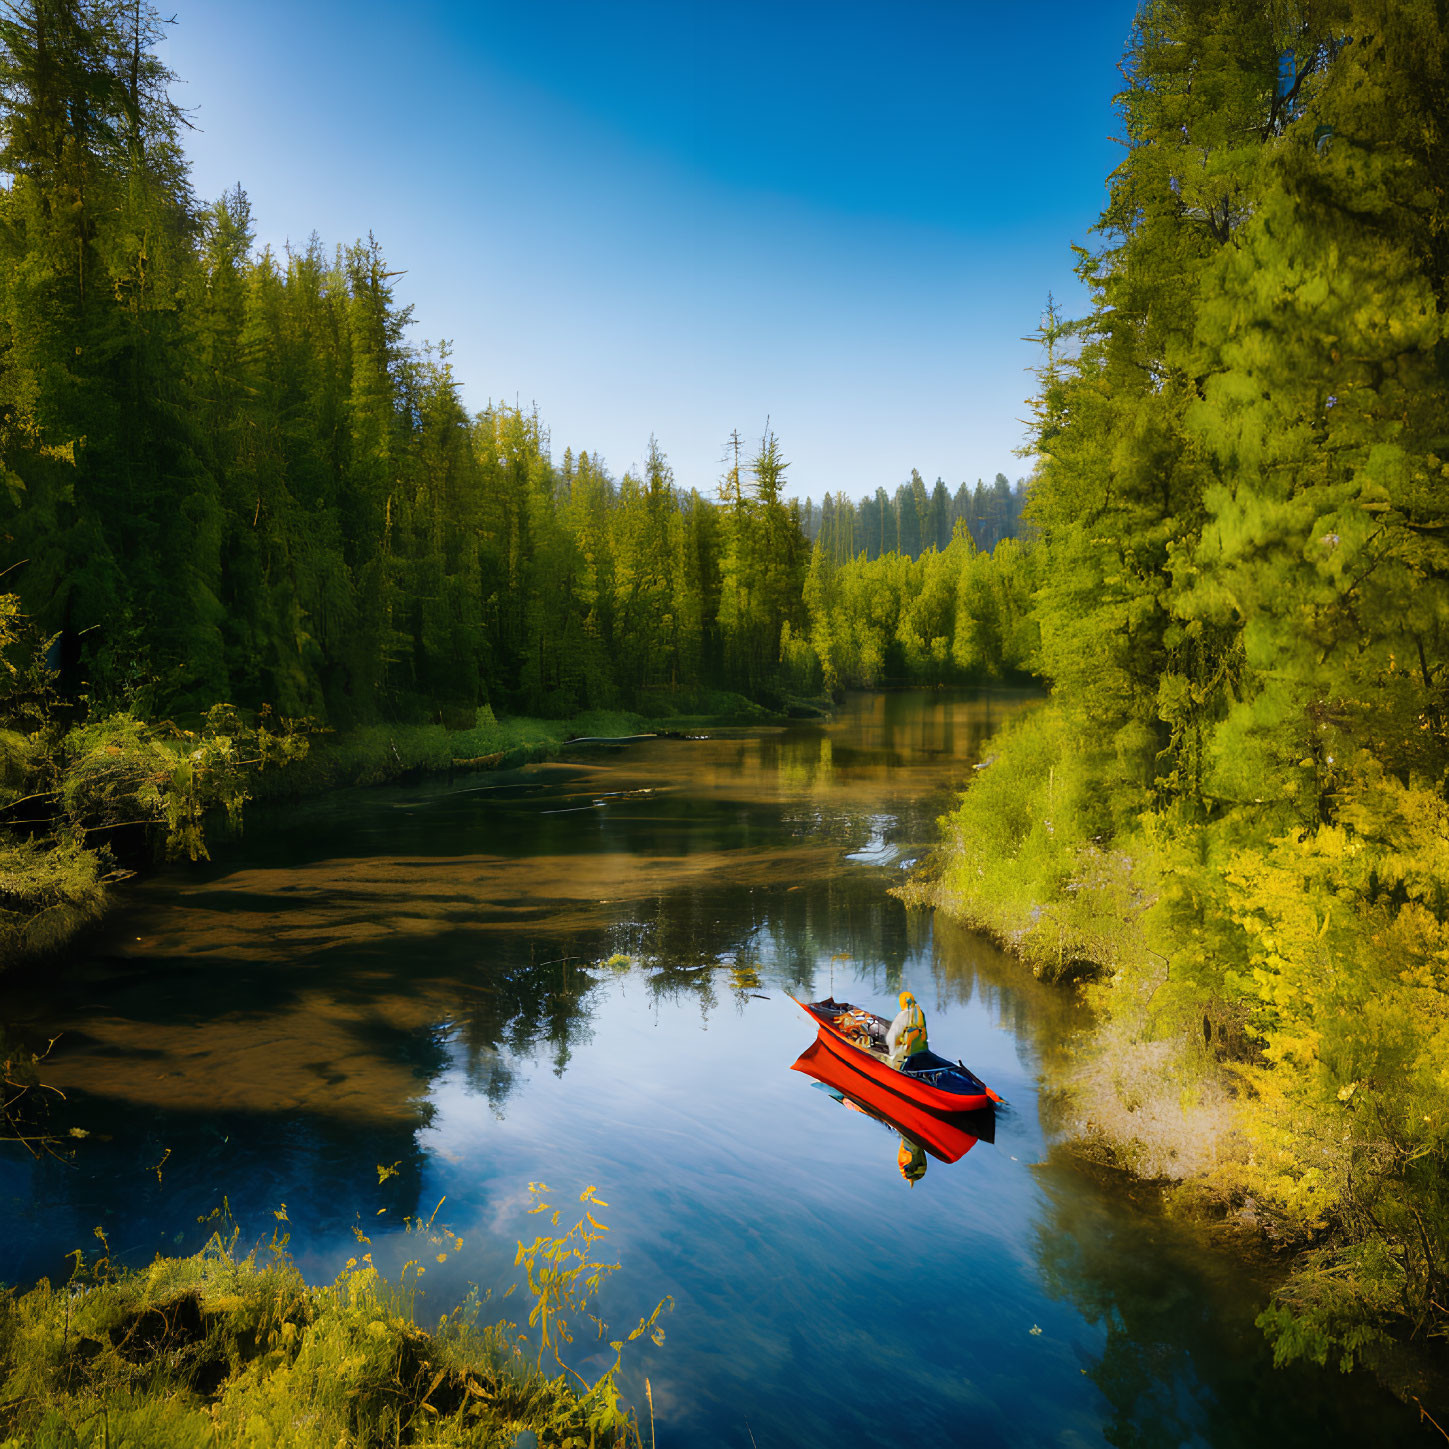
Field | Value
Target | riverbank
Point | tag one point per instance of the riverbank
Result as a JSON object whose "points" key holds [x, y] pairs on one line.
{"points": [[216, 1349], [1267, 1024], [381, 753]]}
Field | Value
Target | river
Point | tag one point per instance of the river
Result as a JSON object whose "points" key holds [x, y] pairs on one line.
{"points": [[579, 973]]}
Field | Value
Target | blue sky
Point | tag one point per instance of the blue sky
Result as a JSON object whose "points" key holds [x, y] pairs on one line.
{"points": [[679, 218]]}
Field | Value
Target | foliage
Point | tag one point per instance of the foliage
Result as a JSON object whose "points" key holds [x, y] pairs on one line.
{"points": [[222, 1349], [75, 783], [1234, 814], [1336, 1304], [48, 889], [949, 616], [564, 1279], [1023, 855], [121, 771]]}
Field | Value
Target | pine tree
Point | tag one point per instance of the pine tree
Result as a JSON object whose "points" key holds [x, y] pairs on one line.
{"points": [[97, 225], [938, 530]]}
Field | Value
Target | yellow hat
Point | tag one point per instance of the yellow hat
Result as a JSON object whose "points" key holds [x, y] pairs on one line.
{"points": [[907, 999]]}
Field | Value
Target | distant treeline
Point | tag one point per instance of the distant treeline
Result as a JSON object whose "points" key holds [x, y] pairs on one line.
{"points": [[915, 519]]}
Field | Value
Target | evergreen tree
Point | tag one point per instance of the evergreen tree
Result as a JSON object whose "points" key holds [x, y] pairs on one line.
{"points": [[871, 538], [843, 545], [101, 458], [938, 529], [961, 507], [907, 521]]}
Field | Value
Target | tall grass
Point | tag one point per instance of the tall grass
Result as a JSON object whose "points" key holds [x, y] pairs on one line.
{"points": [[223, 1349]]}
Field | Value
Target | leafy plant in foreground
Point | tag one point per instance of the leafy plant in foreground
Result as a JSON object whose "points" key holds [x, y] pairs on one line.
{"points": [[565, 1279]]}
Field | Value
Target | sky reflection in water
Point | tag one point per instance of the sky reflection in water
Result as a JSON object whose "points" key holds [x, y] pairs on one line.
{"points": [[419, 976]]}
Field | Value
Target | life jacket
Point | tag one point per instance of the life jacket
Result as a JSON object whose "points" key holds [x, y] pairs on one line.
{"points": [[913, 1033]]}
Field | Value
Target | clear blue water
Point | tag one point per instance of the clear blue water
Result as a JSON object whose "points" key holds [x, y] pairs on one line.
{"points": [[420, 977]]}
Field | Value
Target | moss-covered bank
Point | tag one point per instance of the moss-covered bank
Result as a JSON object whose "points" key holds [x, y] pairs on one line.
{"points": [[375, 754]]}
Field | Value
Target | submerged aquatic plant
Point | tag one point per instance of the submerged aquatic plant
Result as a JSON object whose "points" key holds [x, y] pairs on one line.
{"points": [[24, 1099]]}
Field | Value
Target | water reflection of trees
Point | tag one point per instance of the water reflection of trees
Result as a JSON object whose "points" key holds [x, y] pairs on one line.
{"points": [[1041, 1018], [689, 944], [1182, 1361], [522, 1003]]}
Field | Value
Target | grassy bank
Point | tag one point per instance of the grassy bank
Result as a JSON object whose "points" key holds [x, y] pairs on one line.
{"points": [[375, 754], [221, 1350], [1269, 1028]]}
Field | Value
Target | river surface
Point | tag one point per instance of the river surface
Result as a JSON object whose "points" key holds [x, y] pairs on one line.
{"points": [[577, 974]]}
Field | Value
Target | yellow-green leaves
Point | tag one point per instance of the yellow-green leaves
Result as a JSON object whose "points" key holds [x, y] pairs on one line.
{"points": [[1244, 611]]}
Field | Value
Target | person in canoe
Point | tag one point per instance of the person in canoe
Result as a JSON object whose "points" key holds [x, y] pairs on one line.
{"points": [[907, 1034]]}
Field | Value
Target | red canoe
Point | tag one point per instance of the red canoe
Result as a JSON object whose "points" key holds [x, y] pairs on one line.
{"points": [[925, 1079], [944, 1137]]}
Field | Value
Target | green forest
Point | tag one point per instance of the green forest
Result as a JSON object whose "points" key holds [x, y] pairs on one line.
{"points": [[1231, 819], [230, 475], [914, 519]]}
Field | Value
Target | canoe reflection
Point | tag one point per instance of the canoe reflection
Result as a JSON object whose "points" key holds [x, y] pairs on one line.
{"points": [[948, 1137]]}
